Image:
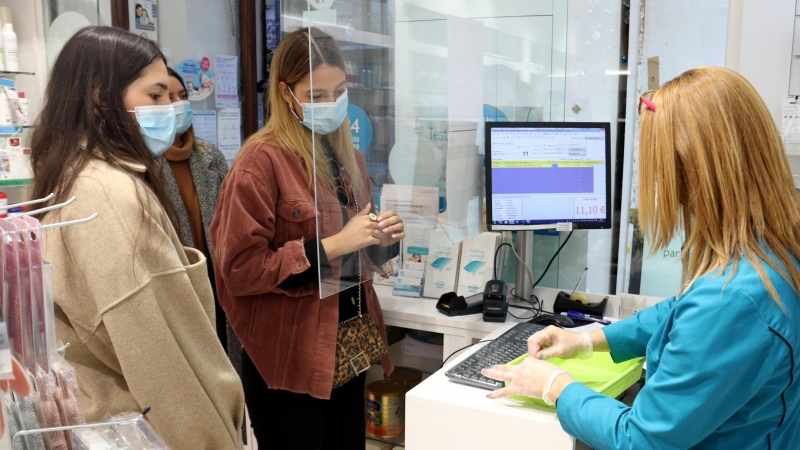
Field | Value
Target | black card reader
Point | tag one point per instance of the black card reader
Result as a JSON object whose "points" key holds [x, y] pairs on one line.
{"points": [[494, 301]]}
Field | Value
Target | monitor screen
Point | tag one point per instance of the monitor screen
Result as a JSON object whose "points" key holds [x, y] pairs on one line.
{"points": [[542, 174]]}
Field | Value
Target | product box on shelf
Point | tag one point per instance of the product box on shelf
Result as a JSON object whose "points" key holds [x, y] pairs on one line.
{"points": [[14, 159], [405, 273], [476, 265], [389, 275], [441, 270], [411, 265], [415, 244], [407, 287]]}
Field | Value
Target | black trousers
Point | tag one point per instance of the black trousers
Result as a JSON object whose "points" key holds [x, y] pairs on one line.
{"points": [[221, 318], [285, 420]]}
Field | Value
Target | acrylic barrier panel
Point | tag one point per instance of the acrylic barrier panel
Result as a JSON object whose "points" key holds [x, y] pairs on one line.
{"points": [[422, 80]]}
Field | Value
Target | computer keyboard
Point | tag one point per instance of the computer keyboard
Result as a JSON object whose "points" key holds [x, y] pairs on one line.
{"points": [[507, 347]]}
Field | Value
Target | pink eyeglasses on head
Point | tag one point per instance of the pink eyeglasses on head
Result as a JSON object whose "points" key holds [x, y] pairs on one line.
{"points": [[644, 100]]}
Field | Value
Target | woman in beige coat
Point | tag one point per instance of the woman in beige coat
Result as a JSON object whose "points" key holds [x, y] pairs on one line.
{"points": [[135, 305]]}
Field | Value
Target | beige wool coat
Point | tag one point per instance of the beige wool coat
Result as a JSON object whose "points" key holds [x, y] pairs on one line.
{"points": [[138, 312]]}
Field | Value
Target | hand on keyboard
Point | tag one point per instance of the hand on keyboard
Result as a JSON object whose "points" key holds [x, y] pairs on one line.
{"points": [[554, 342], [529, 378]]}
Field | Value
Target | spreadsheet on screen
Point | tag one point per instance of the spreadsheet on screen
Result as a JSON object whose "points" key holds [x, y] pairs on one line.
{"points": [[548, 175]]}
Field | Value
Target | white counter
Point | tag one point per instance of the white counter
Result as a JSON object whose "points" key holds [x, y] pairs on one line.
{"points": [[459, 331], [441, 415]]}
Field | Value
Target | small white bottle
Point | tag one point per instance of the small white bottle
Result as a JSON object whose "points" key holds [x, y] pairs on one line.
{"points": [[10, 48], [23, 104]]}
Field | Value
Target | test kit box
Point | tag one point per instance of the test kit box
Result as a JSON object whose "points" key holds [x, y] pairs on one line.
{"points": [[389, 274], [404, 273], [407, 287], [410, 265], [441, 270], [476, 265], [415, 244]]}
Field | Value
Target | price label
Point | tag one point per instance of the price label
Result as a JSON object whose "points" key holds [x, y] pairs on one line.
{"points": [[590, 208]]}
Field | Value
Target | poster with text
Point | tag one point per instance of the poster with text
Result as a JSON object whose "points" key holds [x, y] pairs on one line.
{"points": [[143, 18], [229, 137], [197, 77], [226, 81]]}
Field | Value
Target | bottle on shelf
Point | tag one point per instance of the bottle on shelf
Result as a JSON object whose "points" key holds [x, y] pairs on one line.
{"points": [[23, 104], [6, 116], [10, 48], [3, 204], [349, 73]]}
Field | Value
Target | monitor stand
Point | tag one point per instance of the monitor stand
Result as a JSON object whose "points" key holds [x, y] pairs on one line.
{"points": [[525, 249]]}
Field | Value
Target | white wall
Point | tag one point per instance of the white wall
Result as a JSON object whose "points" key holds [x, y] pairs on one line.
{"points": [[191, 29], [764, 40], [683, 35]]}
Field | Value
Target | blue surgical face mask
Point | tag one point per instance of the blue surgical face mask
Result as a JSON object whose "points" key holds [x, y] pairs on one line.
{"points": [[183, 116], [157, 125], [323, 118]]}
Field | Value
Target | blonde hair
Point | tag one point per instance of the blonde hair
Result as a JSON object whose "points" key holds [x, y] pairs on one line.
{"points": [[712, 158], [295, 54]]}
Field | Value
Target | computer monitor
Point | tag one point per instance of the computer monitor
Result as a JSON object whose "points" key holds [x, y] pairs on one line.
{"points": [[539, 174]]}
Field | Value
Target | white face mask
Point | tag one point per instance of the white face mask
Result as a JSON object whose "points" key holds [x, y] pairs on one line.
{"points": [[183, 116], [157, 125], [323, 118]]}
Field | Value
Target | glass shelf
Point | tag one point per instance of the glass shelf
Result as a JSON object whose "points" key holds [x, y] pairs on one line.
{"points": [[4, 72], [397, 441], [16, 182], [6, 131]]}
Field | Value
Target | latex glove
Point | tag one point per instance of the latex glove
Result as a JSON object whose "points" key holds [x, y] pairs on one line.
{"points": [[529, 378], [554, 342], [20, 384]]}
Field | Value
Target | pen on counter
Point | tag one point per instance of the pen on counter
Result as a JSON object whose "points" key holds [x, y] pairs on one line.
{"points": [[579, 282], [581, 316]]}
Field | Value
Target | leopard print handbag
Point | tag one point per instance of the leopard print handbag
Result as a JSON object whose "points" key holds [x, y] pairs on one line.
{"points": [[358, 341], [358, 346]]}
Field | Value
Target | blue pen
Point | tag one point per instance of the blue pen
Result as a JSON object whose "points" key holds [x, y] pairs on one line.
{"points": [[581, 316]]}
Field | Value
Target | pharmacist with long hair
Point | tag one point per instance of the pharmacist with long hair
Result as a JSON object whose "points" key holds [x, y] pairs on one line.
{"points": [[723, 355]]}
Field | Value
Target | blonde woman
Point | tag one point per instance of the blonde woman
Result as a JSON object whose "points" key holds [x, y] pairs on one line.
{"points": [[269, 250], [723, 355]]}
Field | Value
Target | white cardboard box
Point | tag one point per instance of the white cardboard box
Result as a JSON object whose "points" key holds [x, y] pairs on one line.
{"points": [[405, 273], [410, 265], [407, 287], [476, 265], [441, 269], [415, 244]]}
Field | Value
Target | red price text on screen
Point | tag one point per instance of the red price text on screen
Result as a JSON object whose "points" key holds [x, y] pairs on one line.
{"points": [[589, 210]]}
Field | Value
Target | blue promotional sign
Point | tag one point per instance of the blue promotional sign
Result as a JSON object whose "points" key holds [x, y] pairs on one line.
{"points": [[197, 77], [360, 128], [492, 114]]}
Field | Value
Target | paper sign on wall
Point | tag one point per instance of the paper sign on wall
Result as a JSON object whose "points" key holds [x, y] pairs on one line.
{"points": [[204, 124], [226, 81], [143, 18], [228, 132], [790, 126]]}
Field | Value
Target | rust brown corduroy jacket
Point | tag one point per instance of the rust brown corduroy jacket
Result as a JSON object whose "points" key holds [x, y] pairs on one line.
{"points": [[264, 215]]}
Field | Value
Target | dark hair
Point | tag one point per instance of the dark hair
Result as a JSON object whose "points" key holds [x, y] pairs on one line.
{"points": [[138, 5], [176, 75], [84, 116]]}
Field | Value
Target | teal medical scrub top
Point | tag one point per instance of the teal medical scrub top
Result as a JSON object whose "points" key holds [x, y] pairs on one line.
{"points": [[722, 371]]}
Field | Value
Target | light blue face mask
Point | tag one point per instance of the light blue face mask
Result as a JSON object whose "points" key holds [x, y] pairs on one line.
{"points": [[157, 125], [327, 116], [183, 116]]}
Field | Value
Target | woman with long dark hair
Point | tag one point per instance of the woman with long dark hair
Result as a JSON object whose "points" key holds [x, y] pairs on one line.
{"points": [[271, 253], [135, 305]]}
